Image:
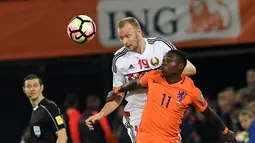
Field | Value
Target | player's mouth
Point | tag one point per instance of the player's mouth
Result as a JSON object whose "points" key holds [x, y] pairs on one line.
{"points": [[161, 69], [128, 46]]}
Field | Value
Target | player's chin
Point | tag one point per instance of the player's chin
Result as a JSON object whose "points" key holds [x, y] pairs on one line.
{"points": [[131, 48], [163, 72]]}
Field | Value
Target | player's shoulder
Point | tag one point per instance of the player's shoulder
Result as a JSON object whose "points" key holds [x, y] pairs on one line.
{"points": [[49, 104], [119, 54], [121, 50], [159, 41], [188, 79], [189, 84], [153, 74]]}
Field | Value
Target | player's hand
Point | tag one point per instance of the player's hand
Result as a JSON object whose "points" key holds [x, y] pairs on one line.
{"points": [[110, 96], [229, 137], [92, 120]]}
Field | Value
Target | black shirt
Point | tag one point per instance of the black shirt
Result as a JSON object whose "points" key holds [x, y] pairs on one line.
{"points": [[45, 120]]}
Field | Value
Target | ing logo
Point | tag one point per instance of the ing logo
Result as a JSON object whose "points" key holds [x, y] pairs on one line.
{"points": [[208, 17]]}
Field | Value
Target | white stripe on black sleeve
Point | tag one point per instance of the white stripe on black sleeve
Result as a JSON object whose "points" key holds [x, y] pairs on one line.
{"points": [[50, 116]]}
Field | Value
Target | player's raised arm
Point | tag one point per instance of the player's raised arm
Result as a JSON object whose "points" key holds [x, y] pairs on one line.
{"points": [[129, 86], [134, 84], [190, 69]]}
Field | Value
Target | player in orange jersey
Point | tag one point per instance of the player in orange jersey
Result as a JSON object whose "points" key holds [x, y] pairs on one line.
{"points": [[169, 95]]}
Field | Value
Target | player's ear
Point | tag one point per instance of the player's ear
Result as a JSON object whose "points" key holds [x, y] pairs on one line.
{"points": [[42, 88], [23, 89], [181, 66], [139, 31]]}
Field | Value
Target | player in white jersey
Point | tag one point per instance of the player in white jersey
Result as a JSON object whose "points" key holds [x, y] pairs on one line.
{"points": [[137, 56]]}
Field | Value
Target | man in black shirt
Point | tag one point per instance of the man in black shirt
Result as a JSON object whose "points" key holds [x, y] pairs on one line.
{"points": [[46, 123]]}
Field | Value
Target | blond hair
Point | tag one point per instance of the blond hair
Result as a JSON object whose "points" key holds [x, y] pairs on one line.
{"points": [[129, 20]]}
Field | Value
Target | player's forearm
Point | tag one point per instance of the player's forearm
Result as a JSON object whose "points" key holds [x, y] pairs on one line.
{"points": [[212, 117], [61, 140], [190, 69], [61, 136], [110, 106], [129, 86]]}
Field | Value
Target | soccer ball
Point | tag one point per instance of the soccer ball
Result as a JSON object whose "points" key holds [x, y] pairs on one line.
{"points": [[81, 29]]}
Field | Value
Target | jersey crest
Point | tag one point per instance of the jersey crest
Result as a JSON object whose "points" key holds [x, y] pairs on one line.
{"points": [[181, 96], [154, 61], [37, 130]]}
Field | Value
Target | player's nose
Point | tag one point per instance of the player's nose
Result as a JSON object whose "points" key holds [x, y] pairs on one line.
{"points": [[125, 42], [32, 89]]}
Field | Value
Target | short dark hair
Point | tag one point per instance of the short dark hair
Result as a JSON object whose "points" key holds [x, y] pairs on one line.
{"points": [[179, 54], [32, 76]]}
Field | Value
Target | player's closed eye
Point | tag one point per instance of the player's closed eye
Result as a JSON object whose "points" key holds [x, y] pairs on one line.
{"points": [[30, 86], [166, 60]]}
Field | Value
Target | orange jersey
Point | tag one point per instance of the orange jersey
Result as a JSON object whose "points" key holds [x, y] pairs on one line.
{"points": [[165, 107]]}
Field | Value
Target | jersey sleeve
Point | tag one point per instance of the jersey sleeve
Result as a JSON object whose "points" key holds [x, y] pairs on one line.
{"points": [[165, 44], [198, 100], [118, 77], [56, 117]]}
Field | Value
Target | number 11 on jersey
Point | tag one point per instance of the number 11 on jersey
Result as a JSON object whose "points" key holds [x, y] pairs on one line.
{"points": [[163, 100]]}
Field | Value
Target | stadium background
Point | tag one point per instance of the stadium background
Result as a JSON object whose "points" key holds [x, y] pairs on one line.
{"points": [[34, 40]]}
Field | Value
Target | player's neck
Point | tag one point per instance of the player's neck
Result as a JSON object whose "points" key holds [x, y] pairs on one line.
{"points": [[141, 46], [173, 79], [35, 103]]}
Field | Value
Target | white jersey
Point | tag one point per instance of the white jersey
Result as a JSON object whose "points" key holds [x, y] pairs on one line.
{"points": [[128, 65]]}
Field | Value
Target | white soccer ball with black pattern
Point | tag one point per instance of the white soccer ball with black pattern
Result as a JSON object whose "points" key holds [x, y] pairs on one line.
{"points": [[81, 29]]}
